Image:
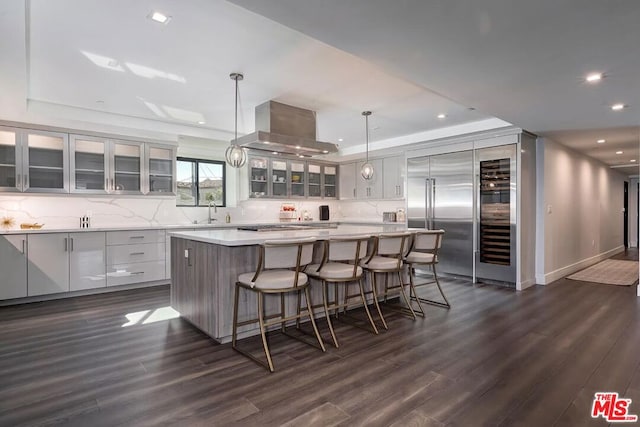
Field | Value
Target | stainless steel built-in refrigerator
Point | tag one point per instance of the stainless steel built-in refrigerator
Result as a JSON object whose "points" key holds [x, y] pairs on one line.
{"points": [[472, 196]]}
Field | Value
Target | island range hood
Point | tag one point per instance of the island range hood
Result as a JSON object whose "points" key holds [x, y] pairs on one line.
{"points": [[286, 129]]}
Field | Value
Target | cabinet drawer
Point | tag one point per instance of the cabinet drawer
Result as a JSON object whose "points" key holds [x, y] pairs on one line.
{"points": [[141, 252], [135, 237], [124, 274]]}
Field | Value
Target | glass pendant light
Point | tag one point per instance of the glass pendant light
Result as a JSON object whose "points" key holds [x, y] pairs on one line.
{"points": [[236, 156], [367, 169]]}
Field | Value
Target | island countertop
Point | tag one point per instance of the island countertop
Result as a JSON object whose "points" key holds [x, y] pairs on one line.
{"points": [[233, 237]]}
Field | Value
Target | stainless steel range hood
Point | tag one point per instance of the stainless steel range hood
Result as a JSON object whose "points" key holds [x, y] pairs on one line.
{"points": [[287, 130]]}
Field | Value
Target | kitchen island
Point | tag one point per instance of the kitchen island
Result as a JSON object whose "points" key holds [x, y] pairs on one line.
{"points": [[205, 265]]}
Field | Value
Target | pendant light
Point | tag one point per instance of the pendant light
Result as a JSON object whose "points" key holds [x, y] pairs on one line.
{"points": [[236, 156], [367, 169]]}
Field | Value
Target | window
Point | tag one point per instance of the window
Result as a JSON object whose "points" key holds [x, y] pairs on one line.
{"points": [[200, 182]]}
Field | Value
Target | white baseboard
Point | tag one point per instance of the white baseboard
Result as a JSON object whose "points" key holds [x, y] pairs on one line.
{"points": [[524, 285], [577, 266]]}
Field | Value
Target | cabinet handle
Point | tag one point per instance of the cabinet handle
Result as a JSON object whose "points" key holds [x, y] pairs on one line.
{"points": [[71, 244], [106, 184], [135, 273], [23, 246], [136, 253], [65, 244], [189, 264], [18, 180], [112, 187], [25, 181], [136, 237], [354, 192]]}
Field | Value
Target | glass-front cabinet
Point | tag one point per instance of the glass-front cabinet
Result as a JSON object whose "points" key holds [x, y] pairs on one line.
{"points": [[42, 161], [286, 178], [100, 165], [126, 173], [315, 180], [10, 161], [89, 163], [33, 161], [258, 173], [161, 169], [46, 160], [330, 181], [297, 179], [279, 180]]}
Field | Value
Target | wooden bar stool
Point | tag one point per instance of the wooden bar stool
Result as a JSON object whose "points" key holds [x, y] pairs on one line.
{"points": [[386, 259], [340, 266], [279, 272], [424, 252]]}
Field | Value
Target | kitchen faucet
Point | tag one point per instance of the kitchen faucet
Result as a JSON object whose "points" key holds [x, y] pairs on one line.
{"points": [[215, 211]]}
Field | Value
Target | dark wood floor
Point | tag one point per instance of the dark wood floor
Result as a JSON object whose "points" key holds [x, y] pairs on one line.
{"points": [[498, 357]]}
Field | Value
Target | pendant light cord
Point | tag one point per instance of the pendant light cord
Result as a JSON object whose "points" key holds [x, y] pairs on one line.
{"points": [[235, 141], [366, 123]]}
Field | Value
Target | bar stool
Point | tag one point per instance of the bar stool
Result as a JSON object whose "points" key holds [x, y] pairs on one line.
{"points": [[340, 265], [279, 272], [424, 252], [386, 258]]}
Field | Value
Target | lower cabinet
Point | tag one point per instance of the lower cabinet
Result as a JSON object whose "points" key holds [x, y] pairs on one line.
{"points": [[135, 257], [63, 262], [13, 265], [87, 261]]}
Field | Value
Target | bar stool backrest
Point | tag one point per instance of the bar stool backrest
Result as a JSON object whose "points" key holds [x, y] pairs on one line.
{"points": [[392, 244], [428, 240], [287, 253], [348, 248]]}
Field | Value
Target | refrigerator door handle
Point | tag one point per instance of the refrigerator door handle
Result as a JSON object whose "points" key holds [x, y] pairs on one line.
{"points": [[429, 210]]}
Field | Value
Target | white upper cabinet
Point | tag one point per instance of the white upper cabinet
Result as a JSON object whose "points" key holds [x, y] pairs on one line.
{"points": [[394, 174], [348, 181]]}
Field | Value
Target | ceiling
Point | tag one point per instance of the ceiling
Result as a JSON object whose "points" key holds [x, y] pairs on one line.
{"points": [[105, 64]]}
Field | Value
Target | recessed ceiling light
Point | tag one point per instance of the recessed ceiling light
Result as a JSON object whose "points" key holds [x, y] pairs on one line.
{"points": [[301, 156], [325, 151], [619, 152], [159, 17], [594, 77], [275, 152], [441, 116], [617, 107], [340, 139], [632, 160], [601, 141], [297, 147], [265, 142], [201, 122]]}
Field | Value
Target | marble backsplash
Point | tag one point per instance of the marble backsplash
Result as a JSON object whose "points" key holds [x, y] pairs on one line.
{"points": [[65, 211]]}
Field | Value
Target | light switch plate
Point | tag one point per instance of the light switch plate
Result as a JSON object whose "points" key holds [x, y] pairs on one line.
{"points": [[186, 253]]}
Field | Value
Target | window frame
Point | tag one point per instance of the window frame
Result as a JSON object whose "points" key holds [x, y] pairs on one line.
{"points": [[197, 180]]}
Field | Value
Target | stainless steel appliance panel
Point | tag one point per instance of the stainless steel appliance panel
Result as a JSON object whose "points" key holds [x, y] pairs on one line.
{"points": [[417, 176], [496, 204], [450, 207]]}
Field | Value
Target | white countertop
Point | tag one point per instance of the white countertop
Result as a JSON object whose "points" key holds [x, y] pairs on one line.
{"points": [[235, 237], [216, 225]]}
